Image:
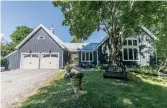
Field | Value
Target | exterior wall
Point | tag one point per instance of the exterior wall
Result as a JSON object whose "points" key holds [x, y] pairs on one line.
{"points": [[103, 52], [13, 61], [36, 45], [66, 57], [146, 52]]}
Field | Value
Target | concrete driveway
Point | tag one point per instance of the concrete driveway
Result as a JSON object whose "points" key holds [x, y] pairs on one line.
{"points": [[17, 84]]}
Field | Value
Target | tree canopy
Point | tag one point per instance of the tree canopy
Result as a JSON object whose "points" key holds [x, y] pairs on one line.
{"points": [[75, 40], [119, 19], [20, 33], [17, 36]]}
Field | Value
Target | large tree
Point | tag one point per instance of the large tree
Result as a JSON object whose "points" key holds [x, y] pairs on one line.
{"points": [[17, 36], [6, 49], [20, 33], [76, 40], [119, 19]]}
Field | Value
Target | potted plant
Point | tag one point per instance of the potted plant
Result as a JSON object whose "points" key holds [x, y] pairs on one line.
{"points": [[76, 80]]}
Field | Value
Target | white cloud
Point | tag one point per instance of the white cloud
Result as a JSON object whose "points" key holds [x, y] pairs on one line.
{"points": [[4, 38]]}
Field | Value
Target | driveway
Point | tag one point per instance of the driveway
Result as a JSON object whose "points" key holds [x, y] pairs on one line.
{"points": [[17, 84]]}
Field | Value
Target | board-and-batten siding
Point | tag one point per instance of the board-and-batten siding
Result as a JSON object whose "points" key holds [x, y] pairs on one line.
{"points": [[13, 61], [66, 57], [146, 50], [36, 45], [103, 52]]}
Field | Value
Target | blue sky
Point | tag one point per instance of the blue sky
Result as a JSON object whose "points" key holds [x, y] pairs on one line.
{"points": [[32, 14]]}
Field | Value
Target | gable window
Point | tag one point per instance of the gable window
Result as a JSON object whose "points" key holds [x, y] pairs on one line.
{"points": [[130, 50], [87, 56], [41, 37], [129, 42]]}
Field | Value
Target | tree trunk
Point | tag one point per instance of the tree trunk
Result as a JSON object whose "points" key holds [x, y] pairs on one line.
{"points": [[112, 49]]}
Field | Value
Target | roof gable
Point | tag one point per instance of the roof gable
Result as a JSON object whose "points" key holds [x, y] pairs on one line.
{"points": [[142, 28], [10, 54], [54, 37]]}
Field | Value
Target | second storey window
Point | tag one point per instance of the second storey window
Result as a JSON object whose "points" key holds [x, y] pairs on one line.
{"points": [[130, 50], [87, 56]]}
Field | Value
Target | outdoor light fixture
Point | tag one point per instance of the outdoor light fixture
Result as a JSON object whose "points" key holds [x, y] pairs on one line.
{"points": [[49, 50], [30, 51]]}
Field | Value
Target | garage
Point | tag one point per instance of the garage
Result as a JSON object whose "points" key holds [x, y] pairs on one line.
{"points": [[49, 61], [29, 61], [41, 49]]}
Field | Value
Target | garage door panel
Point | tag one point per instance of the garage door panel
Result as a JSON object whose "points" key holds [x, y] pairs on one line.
{"points": [[29, 61], [49, 61]]}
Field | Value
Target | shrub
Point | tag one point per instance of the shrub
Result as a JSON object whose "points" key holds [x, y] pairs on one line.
{"points": [[97, 67], [148, 70], [2, 62]]}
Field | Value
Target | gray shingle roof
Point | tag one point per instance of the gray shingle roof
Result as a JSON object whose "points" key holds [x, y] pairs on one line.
{"points": [[75, 46], [81, 46]]}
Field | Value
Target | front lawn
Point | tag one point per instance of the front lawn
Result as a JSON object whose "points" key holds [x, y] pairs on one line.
{"points": [[140, 92]]}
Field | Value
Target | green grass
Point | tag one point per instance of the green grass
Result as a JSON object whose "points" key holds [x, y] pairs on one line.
{"points": [[139, 92]]}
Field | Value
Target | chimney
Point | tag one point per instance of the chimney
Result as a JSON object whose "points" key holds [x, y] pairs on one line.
{"points": [[51, 29]]}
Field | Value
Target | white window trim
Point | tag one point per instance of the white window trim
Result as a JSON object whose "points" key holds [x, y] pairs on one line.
{"points": [[85, 57], [131, 46]]}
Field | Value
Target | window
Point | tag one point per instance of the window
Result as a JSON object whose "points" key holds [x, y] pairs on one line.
{"points": [[130, 50], [91, 57], [46, 55], [129, 42], [125, 42], [35, 55], [135, 54], [54, 55], [83, 56], [87, 56], [130, 54], [26, 55], [41, 37], [135, 42], [125, 54]]}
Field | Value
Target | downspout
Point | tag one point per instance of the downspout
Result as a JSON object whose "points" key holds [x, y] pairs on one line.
{"points": [[62, 58], [97, 57]]}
